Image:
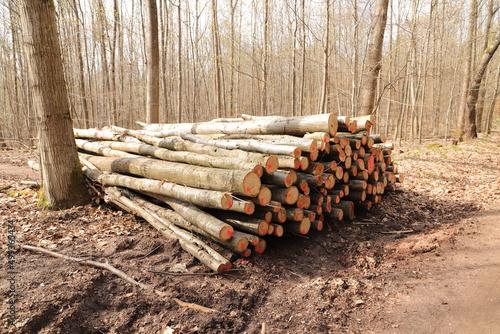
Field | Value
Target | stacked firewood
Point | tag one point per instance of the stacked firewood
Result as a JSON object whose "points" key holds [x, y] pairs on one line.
{"points": [[240, 181]]}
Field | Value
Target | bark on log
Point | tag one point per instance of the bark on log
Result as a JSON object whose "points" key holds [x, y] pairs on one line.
{"points": [[301, 227], [184, 157], [207, 198], [297, 126], [236, 181]]}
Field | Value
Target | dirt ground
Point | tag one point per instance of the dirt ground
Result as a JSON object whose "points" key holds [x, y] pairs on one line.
{"points": [[425, 260]]}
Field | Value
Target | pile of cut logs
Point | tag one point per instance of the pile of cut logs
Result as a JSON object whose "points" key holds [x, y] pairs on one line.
{"points": [[240, 181]]}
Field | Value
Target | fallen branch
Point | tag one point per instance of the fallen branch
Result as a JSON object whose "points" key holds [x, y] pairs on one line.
{"points": [[118, 273]]}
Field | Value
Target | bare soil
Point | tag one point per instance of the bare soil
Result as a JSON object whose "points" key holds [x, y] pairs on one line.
{"points": [[425, 260]]}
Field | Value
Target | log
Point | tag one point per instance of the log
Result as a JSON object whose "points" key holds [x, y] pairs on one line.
{"points": [[269, 162], [184, 157], [101, 149], [284, 195], [207, 198], [301, 227], [305, 144], [213, 226], [317, 225], [278, 230], [288, 162], [280, 178], [243, 206], [347, 208], [260, 247], [253, 146], [241, 222], [297, 126], [303, 202], [236, 181], [294, 214], [323, 136], [175, 218], [217, 263]]}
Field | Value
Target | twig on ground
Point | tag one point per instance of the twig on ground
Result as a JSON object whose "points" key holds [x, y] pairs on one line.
{"points": [[118, 273]]}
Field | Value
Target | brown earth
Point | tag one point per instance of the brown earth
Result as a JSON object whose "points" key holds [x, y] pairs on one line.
{"points": [[425, 260]]}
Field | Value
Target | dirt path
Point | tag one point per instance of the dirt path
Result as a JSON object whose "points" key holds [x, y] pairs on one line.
{"points": [[455, 292]]}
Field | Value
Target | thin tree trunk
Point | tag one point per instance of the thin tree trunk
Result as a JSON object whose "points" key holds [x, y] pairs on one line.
{"points": [[473, 93], [153, 64], [482, 90], [326, 50], [467, 68], [369, 86]]}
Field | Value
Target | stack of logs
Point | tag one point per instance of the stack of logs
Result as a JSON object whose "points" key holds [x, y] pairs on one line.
{"points": [[240, 181]]}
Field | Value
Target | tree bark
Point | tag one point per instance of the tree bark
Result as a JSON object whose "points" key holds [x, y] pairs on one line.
{"points": [[374, 63], [63, 181], [236, 181], [473, 92], [153, 64]]}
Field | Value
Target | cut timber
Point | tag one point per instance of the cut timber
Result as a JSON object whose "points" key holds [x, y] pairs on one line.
{"points": [[241, 222], [261, 246], [243, 206], [303, 202], [379, 138], [301, 227], [294, 214], [96, 134], [297, 126], [175, 218], [263, 198], [328, 180], [200, 218], [356, 195], [100, 149], [336, 215], [323, 136], [236, 181], [280, 178], [315, 168], [317, 225], [288, 162], [305, 145], [183, 156], [253, 146], [269, 162], [278, 230], [347, 207], [284, 195], [312, 180], [207, 198], [310, 214]]}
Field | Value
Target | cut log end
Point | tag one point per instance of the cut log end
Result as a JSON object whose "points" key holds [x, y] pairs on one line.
{"points": [[271, 164], [227, 201], [226, 232], [251, 184], [261, 246]]}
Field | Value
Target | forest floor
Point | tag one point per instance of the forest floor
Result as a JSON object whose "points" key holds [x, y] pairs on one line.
{"points": [[425, 260]]}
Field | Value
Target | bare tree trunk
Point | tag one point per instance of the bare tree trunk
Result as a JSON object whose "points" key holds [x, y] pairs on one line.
{"points": [[153, 64], [218, 90], [179, 62], [265, 60], [369, 86], [473, 92], [81, 66], [494, 97], [326, 50], [482, 90], [462, 111], [63, 181]]}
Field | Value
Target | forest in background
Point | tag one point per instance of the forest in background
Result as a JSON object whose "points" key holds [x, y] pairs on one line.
{"points": [[222, 58]]}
